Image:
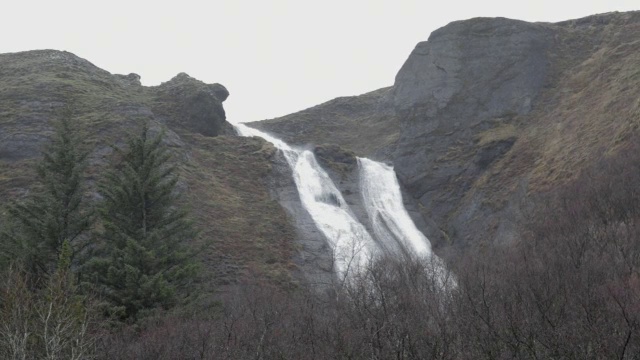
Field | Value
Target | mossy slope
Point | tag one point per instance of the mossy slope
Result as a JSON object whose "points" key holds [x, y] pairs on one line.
{"points": [[222, 177]]}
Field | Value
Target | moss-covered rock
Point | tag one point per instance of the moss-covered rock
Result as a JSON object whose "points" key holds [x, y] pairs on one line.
{"points": [[334, 156], [192, 105]]}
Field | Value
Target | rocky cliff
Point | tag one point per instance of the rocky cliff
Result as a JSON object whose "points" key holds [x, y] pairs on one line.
{"points": [[488, 113], [469, 78], [222, 176]]}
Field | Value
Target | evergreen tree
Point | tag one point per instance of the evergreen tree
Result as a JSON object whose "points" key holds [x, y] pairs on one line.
{"points": [[143, 258], [54, 211]]}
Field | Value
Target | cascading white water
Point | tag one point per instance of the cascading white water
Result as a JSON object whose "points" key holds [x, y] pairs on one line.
{"points": [[390, 221], [352, 244]]}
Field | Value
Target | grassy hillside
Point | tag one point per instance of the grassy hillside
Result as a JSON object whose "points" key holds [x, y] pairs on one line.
{"points": [[589, 111], [222, 177], [365, 124], [250, 231]]}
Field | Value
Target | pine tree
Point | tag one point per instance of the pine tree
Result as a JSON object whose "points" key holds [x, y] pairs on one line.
{"points": [[54, 211], [143, 258]]}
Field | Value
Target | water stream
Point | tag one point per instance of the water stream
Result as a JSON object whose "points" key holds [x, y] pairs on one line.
{"points": [[393, 230], [352, 244], [382, 199], [392, 226]]}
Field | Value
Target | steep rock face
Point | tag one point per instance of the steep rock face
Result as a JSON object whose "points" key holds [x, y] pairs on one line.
{"points": [[468, 77], [488, 111], [492, 66]]}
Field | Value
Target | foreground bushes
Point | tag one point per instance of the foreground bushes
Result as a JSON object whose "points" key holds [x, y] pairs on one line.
{"points": [[569, 289], [539, 299], [508, 304], [48, 323], [375, 317]]}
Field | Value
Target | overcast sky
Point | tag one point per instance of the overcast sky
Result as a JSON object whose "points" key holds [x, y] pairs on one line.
{"points": [[275, 57]]}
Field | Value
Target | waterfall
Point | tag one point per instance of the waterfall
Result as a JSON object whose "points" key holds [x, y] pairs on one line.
{"points": [[390, 221], [353, 246]]}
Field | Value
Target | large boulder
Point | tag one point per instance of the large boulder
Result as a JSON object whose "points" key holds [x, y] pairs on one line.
{"points": [[466, 73], [470, 76], [191, 104]]}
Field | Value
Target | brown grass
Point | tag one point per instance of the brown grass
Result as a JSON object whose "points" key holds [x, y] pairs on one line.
{"points": [[248, 230], [364, 124]]}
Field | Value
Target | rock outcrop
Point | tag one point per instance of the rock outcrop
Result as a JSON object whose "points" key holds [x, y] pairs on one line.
{"points": [[492, 67], [193, 105], [37, 86]]}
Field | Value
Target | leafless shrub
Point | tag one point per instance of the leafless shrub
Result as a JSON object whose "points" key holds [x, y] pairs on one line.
{"points": [[47, 323]]}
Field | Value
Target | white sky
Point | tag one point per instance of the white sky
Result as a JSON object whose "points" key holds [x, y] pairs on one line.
{"points": [[275, 56]]}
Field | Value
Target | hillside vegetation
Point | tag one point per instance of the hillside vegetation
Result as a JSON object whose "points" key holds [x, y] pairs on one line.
{"points": [[222, 178]]}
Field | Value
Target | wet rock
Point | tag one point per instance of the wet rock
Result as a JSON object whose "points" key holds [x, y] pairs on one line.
{"points": [[335, 157]]}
